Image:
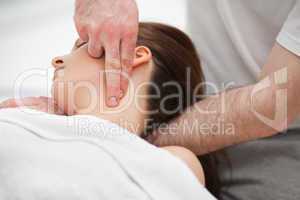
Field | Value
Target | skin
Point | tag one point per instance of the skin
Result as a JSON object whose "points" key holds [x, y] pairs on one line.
{"points": [[110, 27], [72, 95], [238, 110], [232, 107], [236, 103], [79, 87]]}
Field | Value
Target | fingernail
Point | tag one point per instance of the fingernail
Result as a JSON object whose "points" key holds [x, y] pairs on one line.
{"points": [[113, 101]]}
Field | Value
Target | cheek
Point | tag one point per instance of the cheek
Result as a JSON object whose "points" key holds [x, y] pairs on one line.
{"points": [[83, 98], [60, 93], [62, 90], [76, 95]]}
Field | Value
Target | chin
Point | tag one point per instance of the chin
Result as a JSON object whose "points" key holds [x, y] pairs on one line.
{"points": [[61, 102]]}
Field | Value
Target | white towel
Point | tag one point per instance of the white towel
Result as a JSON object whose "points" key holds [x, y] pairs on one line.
{"points": [[46, 156]]}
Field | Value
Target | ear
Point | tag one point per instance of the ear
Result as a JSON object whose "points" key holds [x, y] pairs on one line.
{"points": [[143, 55]]}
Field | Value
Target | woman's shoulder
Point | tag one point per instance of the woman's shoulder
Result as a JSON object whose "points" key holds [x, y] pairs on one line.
{"points": [[190, 159]]}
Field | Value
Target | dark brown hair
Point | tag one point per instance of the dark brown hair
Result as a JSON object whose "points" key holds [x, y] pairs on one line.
{"points": [[175, 61], [175, 58]]}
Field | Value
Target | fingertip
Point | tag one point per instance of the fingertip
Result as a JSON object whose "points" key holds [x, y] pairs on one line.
{"points": [[113, 96], [113, 86], [93, 51], [112, 101]]}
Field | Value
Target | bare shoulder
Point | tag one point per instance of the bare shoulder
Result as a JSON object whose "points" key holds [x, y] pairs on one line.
{"points": [[190, 159]]}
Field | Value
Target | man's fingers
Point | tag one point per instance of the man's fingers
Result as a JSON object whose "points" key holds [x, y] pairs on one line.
{"points": [[8, 104], [13, 103], [125, 79], [44, 104], [84, 36], [127, 56], [113, 73], [81, 29], [94, 47]]}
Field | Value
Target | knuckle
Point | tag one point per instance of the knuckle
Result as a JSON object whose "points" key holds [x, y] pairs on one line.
{"points": [[109, 36], [110, 30], [110, 33], [94, 29], [115, 54], [129, 33]]}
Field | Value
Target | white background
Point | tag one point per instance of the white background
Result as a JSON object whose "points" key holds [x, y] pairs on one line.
{"points": [[35, 31]]}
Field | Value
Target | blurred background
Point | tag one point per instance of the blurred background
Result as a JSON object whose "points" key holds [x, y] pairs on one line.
{"points": [[34, 31]]}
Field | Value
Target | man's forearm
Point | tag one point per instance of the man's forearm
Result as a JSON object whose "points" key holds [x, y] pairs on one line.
{"points": [[242, 114], [208, 126]]}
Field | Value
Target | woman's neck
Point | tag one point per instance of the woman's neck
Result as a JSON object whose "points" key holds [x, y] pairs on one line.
{"points": [[132, 109], [129, 113]]}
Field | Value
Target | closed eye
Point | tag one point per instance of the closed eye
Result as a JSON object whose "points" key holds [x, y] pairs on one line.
{"points": [[79, 43]]}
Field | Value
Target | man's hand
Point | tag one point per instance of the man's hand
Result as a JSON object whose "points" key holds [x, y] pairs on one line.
{"points": [[110, 26], [43, 104]]}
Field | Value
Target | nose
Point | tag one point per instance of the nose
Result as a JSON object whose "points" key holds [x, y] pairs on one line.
{"points": [[58, 62]]}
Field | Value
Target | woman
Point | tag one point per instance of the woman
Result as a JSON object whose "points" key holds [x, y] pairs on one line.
{"points": [[166, 78]]}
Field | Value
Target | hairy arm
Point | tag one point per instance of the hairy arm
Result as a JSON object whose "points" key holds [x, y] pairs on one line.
{"points": [[236, 116]]}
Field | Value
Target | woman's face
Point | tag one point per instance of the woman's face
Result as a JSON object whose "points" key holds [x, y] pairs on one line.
{"points": [[78, 80], [79, 87]]}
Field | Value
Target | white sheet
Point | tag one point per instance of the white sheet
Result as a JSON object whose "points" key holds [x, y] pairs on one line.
{"points": [[82, 157]]}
